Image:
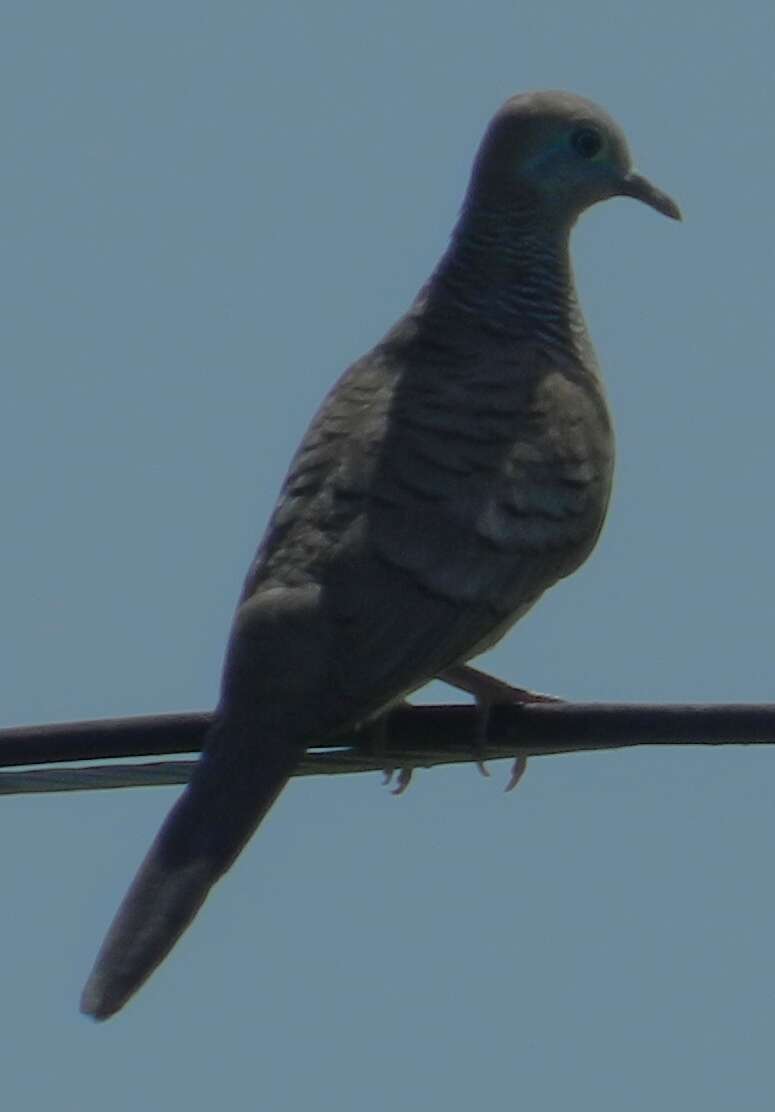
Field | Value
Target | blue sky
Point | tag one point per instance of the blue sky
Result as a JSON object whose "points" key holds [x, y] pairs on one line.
{"points": [[209, 211]]}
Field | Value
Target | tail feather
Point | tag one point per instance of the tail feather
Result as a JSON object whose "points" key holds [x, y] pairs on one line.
{"points": [[218, 812]]}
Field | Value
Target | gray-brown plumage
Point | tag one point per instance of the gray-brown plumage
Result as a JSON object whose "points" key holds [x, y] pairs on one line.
{"points": [[452, 475]]}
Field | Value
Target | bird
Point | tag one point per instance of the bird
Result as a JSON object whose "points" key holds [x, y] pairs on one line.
{"points": [[450, 477]]}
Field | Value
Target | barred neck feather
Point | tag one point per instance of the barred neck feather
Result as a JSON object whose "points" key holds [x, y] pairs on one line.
{"points": [[512, 271]]}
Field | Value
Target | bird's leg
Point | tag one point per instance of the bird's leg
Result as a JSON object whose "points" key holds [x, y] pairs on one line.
{"points": [[489, 689], [489, 692], [378, 731]]}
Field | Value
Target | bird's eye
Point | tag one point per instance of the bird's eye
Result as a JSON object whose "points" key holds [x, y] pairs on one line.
{"points": [[587, 142]]}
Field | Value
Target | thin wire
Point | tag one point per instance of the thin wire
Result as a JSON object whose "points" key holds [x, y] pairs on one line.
{"points": [[416, 737]]}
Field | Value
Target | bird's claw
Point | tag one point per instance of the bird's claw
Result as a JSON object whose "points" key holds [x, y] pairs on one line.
{"points": [[517, 772], [489, 692], [402, 782]]}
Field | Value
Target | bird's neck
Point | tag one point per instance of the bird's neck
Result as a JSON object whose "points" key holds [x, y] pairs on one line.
{"points": [[511, 271]]}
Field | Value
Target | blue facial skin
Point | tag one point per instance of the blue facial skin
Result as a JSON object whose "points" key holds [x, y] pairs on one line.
{"points": [[564, 166]]}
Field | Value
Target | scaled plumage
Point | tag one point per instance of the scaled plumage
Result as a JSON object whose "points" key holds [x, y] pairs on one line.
{"points": [[451, 476]]}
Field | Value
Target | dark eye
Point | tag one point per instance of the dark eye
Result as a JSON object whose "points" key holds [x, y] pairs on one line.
{"points": [[587, 142]]}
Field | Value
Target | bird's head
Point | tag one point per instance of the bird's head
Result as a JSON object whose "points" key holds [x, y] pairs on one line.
{"points": [[560, 153]]}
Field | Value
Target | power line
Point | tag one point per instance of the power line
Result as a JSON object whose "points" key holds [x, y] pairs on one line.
{"points": [[416, 737]]}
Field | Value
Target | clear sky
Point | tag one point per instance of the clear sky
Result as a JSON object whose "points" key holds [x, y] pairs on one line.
{"points": [[207, 211]]}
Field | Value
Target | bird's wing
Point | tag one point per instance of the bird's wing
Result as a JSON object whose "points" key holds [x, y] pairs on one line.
{"points": [[432, 507]]}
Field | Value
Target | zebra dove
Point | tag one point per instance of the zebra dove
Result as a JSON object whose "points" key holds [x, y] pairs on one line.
{"points": [[452, 474]]}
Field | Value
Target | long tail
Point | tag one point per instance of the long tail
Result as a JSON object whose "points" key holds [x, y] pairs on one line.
{"points": [[232, 788]]}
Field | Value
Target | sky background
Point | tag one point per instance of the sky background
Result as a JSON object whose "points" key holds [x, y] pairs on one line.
{"points": [[208, 211]]}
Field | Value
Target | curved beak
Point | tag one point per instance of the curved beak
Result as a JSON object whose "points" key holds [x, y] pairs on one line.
{"points": [[635, 185]]}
